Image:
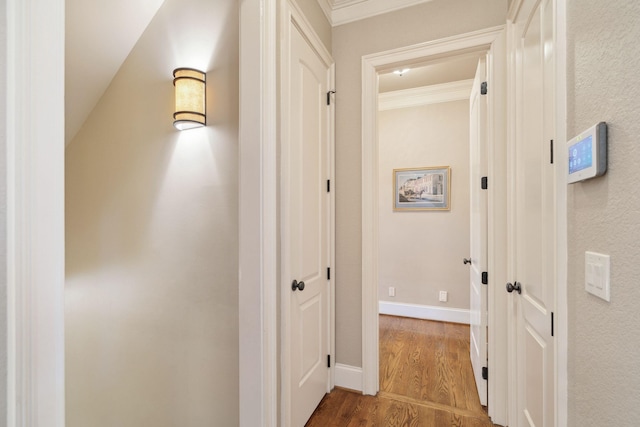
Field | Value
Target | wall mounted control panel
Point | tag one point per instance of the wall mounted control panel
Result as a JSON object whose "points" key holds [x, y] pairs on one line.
{"points": [[588, 154]]}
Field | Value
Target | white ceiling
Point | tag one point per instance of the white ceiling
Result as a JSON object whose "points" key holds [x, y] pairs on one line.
{"points": [[340, 12], [99, 37], [438, 72]]}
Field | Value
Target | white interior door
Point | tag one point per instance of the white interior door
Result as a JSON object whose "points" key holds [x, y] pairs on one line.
{"points": [[533, 289], [307, 219], [478, 238]]}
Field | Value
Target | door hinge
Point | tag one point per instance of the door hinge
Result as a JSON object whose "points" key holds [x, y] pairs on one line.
{"points": [[328, 360], [485, 373], [483, 88], [485, 278], [329, 96], [551, 148], [484, 183], [328, 186], [552, 325], [328, 273]]}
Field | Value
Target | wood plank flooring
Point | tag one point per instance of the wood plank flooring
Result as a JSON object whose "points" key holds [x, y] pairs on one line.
{"points": [[426, 380]]}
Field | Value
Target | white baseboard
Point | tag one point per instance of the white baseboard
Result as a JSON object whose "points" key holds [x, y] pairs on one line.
{"points": [[442, 314], [348, 377]]}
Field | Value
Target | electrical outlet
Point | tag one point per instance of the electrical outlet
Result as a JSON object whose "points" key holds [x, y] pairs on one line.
{"points": [[443, 296], [392, 291]]}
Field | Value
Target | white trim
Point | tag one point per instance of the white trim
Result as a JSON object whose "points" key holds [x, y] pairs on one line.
{"points": [[372, 64], [294, 14], [562, 322], [428, 312], [332, 226], [258, 334], [511, 218], [514, 10], [497, 219], [370, 360], [357, 10], [35, 212], [349, 377], [434, 51], [285, 269], [425, 95]]}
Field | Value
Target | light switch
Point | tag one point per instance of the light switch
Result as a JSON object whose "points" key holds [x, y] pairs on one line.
{"points": [[597, 268]]}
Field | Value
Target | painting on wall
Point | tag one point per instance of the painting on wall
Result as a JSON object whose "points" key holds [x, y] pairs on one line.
{"points": [[422, 189]]}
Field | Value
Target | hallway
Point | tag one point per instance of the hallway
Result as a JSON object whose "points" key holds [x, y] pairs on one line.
{"points": [[425, 380]]}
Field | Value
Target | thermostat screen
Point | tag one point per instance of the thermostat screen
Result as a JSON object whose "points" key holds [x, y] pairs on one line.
{"points": [[580, 155]]}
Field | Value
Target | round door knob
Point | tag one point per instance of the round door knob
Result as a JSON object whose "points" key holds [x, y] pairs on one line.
{"points": [[295, 285], [514, 287], [466, 260]]}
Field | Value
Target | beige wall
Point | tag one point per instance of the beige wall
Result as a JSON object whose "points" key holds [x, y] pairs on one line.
{"points": [[152, 236], [604, 213], [429, 21], [421, 252]]}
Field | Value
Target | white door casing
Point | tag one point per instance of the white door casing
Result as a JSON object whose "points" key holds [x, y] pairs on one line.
{"points": [[306, 164], [491, 40], [32, 145], [533, 218], [478, 228], [258, 240]]}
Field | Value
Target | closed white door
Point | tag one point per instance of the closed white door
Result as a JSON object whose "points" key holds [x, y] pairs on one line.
{"points": [[533, 287], [307, 218], [478, 227]]}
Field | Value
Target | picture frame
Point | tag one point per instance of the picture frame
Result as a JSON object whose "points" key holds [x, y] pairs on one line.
{"points": [[422, 189]]}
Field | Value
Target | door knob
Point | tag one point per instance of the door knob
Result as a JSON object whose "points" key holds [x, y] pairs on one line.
{"points": [[466, 260], [515, 287], [297, 285]]}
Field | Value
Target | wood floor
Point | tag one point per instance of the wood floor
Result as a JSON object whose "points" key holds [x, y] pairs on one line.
{"points": [[425, 381]]}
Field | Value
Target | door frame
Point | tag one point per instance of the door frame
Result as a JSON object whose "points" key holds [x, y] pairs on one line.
{"points": [[493, 41], [33, 155], [561, 313], [290, 16], [258, 241]]}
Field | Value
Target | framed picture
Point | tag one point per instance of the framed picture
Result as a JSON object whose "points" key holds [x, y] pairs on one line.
{"points": [[420, 189]]}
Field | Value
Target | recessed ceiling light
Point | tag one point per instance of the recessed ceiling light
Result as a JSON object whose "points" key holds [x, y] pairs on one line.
{"points": [[401, 72]]}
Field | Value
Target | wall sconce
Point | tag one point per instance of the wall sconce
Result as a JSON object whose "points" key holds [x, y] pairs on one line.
{"points": [[190, 88]]}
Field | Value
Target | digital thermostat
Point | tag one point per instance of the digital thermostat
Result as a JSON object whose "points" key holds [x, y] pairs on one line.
{"points": [[588, 153]]}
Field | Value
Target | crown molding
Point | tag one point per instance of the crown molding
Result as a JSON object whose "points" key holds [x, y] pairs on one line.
{"points": [[434, 94], [340, 12]]}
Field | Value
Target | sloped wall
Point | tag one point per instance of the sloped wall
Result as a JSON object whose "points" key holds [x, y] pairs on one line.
{"points": [[152, 236]]}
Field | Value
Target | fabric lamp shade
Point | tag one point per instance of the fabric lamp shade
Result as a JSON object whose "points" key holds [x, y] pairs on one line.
{"points": [[190, 90]]}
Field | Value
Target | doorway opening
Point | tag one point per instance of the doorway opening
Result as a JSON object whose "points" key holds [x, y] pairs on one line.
{"points": [[488, 42], [431, 217]]}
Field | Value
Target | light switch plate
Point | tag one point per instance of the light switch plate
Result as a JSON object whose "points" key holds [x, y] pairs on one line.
{"points": [[597, 273]]}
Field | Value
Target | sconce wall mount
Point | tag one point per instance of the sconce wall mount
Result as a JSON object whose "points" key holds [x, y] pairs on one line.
{"points": [[190, 92]]}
